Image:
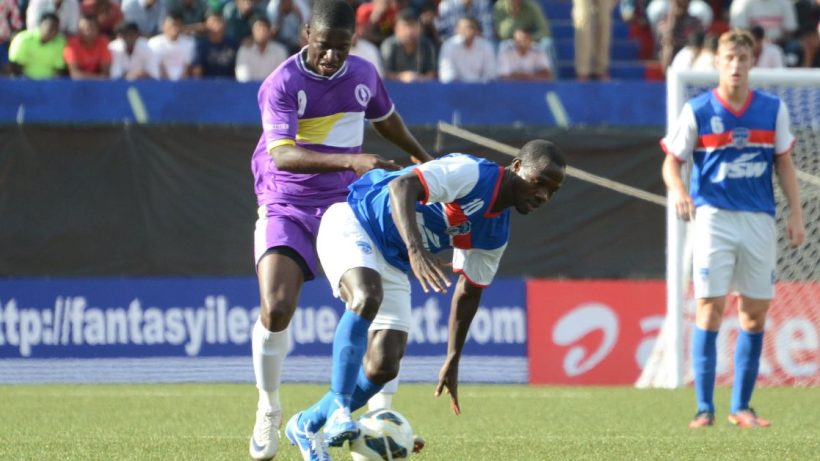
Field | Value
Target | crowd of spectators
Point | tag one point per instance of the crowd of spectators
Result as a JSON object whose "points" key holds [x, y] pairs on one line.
{"points": [[407, 40]]}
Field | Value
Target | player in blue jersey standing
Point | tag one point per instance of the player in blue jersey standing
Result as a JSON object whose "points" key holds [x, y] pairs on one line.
{"points": [[393, 223], [736, 139]]}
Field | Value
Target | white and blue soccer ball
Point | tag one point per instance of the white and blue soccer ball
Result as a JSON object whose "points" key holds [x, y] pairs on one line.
{"points": [[385, 435]]}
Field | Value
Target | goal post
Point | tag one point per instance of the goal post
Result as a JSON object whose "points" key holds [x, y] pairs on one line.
{"points": [[789, 359]]}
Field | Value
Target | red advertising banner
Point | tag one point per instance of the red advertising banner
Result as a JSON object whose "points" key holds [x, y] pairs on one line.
{"points": [[602, 332], [592, 332]]}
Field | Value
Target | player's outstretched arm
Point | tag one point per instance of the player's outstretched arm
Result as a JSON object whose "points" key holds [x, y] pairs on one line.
{"points": [[684, 205], [788, 182], [394, 130], [405, 191], [300, 160], [462, 310]]}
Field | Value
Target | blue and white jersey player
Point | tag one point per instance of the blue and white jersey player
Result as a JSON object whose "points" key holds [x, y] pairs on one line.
{"points": [[391, 224], [736, 139]]}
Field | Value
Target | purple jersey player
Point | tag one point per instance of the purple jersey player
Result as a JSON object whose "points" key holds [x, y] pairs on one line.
{"points": [[313, 111]]}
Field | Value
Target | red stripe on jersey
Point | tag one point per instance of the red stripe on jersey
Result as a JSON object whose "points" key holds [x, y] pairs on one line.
{"points": [[489, 213], [456, 217], [423, 183], [727, 106], [714, 141]]}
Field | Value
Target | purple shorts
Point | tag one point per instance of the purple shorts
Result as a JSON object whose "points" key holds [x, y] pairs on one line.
{"points": [[289, 226]]}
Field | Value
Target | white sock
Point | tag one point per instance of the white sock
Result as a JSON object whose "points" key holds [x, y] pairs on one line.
{"points": [[269, 352], [384, 399]]}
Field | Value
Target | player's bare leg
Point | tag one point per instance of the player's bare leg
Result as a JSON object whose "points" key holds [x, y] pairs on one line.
{"points": [[280, 281], [704, 357], [752, 315]]}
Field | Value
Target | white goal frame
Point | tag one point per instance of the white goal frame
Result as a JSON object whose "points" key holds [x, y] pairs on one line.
{"points": [[665, 366]]}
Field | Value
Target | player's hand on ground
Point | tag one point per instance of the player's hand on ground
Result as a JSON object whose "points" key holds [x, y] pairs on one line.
{"points": [[448, 382], [362, 163], [796, 230], [684, 206], [429, 270]]}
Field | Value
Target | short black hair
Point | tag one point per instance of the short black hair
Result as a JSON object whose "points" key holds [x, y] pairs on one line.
{"points": [[757, 32], [473, 20], [128, 27], [540, 153], [175, 15], [261, 19], [215, 13], [333, 14], [49, 16], [407, 15]]}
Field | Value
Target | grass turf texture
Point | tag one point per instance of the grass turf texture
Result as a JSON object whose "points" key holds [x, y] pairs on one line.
{"points": [[213, 422]]}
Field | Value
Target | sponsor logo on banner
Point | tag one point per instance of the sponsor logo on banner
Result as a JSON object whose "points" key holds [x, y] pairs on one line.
{"points": [[84, 318], [602, 333], [591, 332]]}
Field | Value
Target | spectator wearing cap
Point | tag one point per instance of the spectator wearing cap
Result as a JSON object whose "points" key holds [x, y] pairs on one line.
{"points": [[520, 58], [408, 56], [467, 56], [256, 59], [287, 19], [146, 14], [86, 54], [238, 16], [450, 13], [131, 57], [215, 53], [67, 10], [173, 50], [38, 53]]}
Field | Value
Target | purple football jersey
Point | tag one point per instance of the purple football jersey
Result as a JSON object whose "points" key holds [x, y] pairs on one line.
{"points": [[323, 114]]}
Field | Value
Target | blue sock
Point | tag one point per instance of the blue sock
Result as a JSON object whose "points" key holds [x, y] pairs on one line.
{"points": [[364, 390], [747, 363], [704, 363], [349, 346], [316, 415]]}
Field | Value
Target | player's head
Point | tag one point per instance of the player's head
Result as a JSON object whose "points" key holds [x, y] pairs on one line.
{"points": [[330, 34], [734, 58], [539, 170]]}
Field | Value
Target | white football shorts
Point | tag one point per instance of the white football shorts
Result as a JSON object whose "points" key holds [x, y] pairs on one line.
{"points": [[734, 251], [343, 244]]}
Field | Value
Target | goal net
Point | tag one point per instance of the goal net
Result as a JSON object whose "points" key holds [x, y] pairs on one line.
{"points": [[791, 351]]}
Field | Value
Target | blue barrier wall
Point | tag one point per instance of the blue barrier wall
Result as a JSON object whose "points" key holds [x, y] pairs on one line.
{"points": [[50, 328], [625, 103]]}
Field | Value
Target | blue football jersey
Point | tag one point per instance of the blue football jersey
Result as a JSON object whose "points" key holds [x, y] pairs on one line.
{"points": [[456, 213], [732, 151]]}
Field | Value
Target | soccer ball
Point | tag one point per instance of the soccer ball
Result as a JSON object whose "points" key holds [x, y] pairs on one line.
{"points": [[385, 435]]}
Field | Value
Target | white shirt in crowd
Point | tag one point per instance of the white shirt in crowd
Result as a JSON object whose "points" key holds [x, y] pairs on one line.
{"points": [[510, 61], [253, 64], [142, 59], [686, 59], [173, 56], [776, 17], [369, 52], [460, 63], [69, 14], [771, 57]]}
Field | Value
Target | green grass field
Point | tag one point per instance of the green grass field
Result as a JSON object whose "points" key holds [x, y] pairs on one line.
{"points": [[213, 422]]}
